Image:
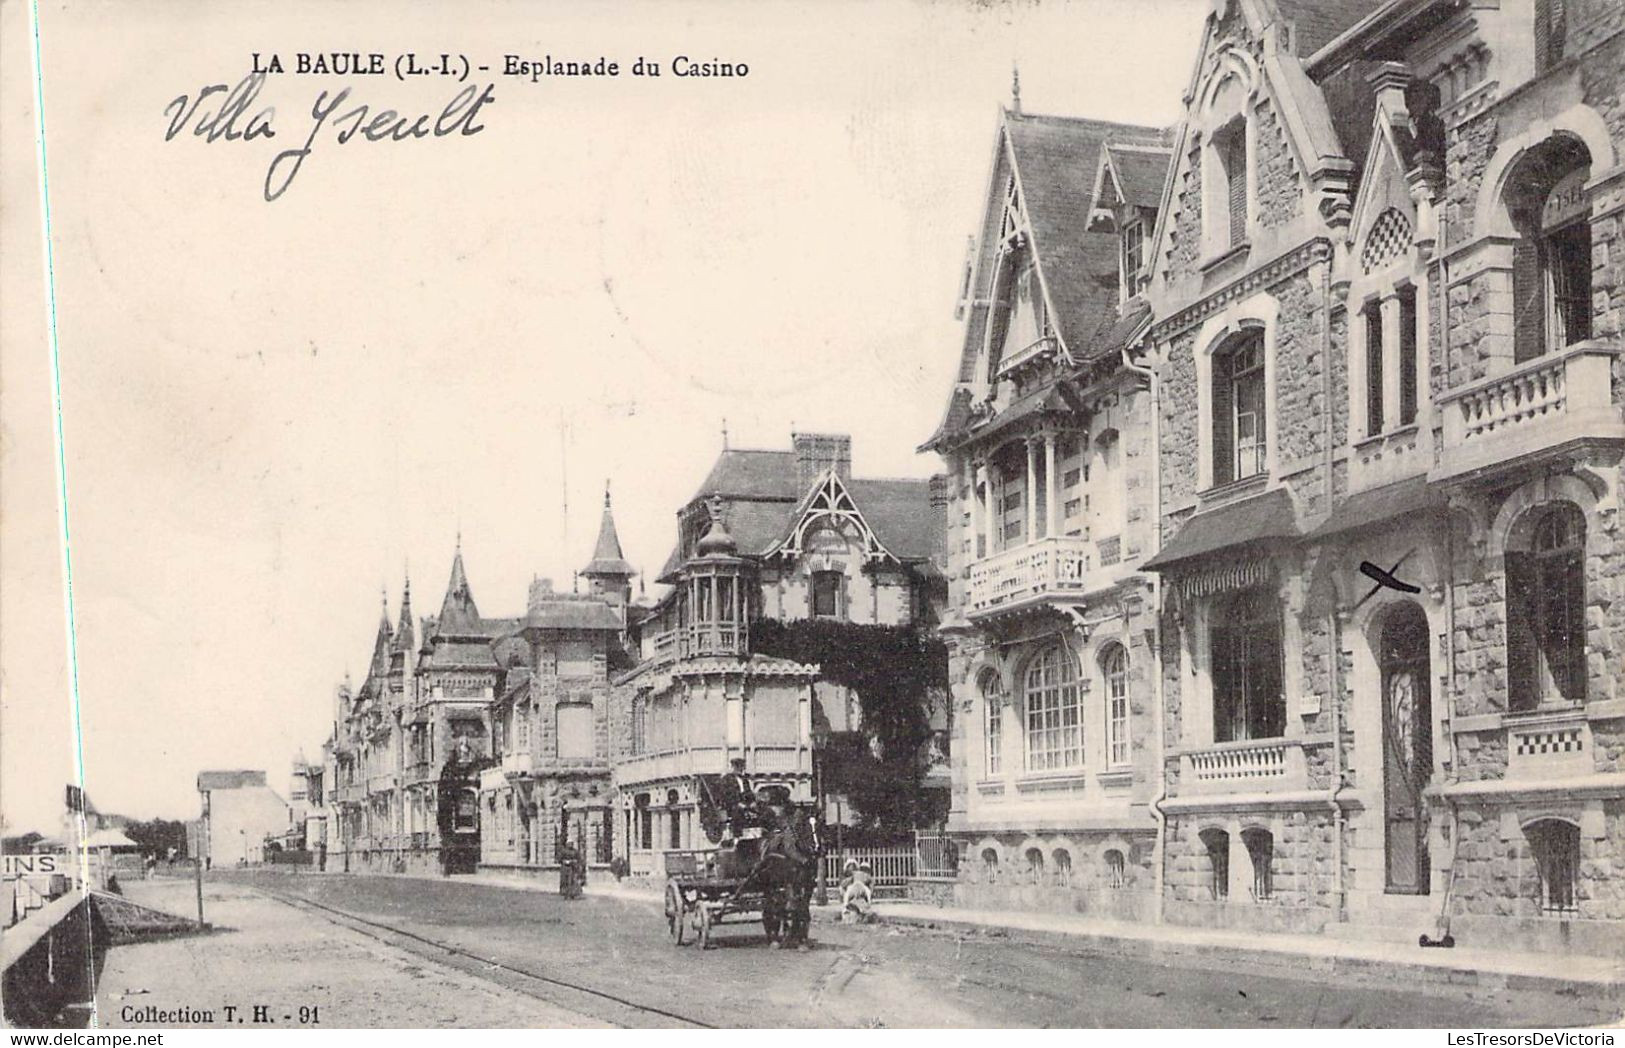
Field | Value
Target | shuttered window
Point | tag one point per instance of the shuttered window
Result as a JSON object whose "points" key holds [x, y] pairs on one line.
{"points": [[1409, 340], [1224, 413], [1233, 157], [1528, 301], [1373, 367]]}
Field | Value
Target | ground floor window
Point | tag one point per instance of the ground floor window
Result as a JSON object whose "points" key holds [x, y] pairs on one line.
{"points": [[1063, 867], [1217, 844], [1245, 649], [1556, 848], [1261, 850], [1116, 869], [990, 865], [1035, 866]]}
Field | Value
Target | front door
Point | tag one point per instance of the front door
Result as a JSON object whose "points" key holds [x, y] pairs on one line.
{"points": [[1407, 731]]}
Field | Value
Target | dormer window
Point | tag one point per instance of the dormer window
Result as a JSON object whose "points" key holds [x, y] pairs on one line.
{"points": [[1133, 254]]}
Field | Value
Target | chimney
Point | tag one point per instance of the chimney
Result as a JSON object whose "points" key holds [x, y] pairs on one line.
{"points": [[817, 452]]}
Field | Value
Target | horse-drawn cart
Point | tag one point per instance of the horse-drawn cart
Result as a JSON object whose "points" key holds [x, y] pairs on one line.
{"points": [[708, 887]]}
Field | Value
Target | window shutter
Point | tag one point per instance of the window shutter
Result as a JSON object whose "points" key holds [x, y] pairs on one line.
{"points": [[1408, 363], [1574, 603], [1528, 301], [1543, 42], [1224, 412], [1522, 659], [1236, 172], [1373, 369]]}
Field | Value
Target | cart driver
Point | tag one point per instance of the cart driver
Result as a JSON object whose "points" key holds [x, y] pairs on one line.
{"points": [[740, 798]]}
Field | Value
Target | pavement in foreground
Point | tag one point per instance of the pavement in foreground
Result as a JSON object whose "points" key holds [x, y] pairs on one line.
{"points": [[287, 957]]}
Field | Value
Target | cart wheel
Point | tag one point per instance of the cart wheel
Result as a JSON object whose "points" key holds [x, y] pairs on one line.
{"points": [[676, 915], [705, 927]]}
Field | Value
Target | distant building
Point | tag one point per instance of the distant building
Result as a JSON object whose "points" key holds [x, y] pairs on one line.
{"points": [[780, 536], [239, 811]]}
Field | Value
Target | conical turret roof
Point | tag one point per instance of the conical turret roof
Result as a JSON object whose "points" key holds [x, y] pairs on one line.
{"points": [[607, 559], [404, 638], [458, 613]]}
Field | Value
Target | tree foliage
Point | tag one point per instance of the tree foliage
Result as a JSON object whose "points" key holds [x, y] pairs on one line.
{"points": [[893, 670]]}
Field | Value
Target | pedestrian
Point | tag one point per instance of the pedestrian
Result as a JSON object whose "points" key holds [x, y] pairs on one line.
{"points": [[567, 870], [857, 898], [152, 864]]}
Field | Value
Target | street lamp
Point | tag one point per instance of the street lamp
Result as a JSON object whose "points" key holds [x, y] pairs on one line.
{"points": [[820, 737]]}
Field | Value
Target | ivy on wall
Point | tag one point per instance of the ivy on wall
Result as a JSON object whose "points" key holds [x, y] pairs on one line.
{"points": [[892, 669]]}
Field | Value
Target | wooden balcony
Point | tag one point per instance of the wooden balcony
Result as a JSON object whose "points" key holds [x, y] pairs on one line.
{"points": [[1031, 574], [705, 638], [1540, 407]]}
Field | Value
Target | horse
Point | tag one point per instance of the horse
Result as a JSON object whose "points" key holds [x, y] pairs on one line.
{"points": [[786, 873]]}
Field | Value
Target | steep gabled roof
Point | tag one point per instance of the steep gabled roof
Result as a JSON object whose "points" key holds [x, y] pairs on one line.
{"points": [[1316, 23], [761, 503], [1140, 172], [1054, 159]]}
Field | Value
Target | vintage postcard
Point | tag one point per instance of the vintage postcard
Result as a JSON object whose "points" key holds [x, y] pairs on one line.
{"points": [[914, 513]]}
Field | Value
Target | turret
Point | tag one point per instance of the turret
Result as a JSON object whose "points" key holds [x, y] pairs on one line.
{"points": [[608, 573]]}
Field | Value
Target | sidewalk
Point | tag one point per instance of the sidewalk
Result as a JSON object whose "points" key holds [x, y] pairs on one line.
{"points": [[303, 972], [1209, 947]]}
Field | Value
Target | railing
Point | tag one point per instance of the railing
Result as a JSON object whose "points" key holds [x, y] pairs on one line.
{"points": [[890, 869], [1229, 766], [705, 638], [1388, 457], [1030, 353], [711, 760], [1539, 405], [1056, 566], [935, 855]]}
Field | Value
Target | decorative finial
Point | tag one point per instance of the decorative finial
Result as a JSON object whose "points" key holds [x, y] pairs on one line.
{"points": [[606, 492], [1015, 88], [724, 433]]}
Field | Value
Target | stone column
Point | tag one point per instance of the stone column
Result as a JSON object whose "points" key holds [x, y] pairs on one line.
{"points": [[1052, 501], [1032, 491]]}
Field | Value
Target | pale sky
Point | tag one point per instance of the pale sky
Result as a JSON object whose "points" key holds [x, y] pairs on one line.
{"points": [[272, 409]]}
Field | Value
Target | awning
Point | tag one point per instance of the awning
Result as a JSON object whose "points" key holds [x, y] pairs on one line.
{"points": [[1389, 502], [1261, 519]]}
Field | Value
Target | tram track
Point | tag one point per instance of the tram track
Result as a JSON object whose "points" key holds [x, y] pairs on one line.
{"points": [[594, 1003]]}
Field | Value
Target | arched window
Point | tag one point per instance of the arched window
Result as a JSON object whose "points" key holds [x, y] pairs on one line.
{"points": [[1063, 867], [1035, 866], [1545, 605], [640, 724], [1551, 259], [992, 723], [1114, 671], [1261, 850], [1054, 715], [1244, 643], [1116, 869], [674, 821], [990, 865], [1217, 844], [1556, 848], [1239, 415]]}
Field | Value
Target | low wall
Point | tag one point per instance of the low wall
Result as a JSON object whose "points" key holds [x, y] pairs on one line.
{"points": [[1248, 916], [52, 960]]}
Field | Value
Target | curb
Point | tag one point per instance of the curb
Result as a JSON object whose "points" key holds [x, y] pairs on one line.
{"points": [[1209, 955]]}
